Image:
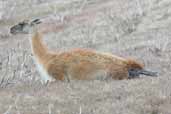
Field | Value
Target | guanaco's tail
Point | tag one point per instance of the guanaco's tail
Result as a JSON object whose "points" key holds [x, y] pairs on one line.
{"points": [[135, 69]]}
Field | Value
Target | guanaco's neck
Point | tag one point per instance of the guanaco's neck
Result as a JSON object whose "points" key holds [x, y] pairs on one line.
{"points": [[39, 50]]}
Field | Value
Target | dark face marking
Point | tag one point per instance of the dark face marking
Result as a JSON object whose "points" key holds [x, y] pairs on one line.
{"points": [[23, 27], [19, 28]]}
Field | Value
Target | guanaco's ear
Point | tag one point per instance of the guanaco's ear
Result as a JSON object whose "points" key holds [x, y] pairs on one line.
{"points": [[35, 22]]}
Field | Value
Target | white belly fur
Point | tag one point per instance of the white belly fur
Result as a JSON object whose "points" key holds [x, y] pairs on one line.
{"points": [[43, 73], [45, 77]]}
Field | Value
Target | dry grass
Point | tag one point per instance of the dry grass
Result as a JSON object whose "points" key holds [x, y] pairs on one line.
{"points": [[128, 28]]}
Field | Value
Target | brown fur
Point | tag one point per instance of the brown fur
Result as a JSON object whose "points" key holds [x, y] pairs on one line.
{"points": [[81, 64]]}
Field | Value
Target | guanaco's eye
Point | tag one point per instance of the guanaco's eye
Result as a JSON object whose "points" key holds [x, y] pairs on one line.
{"points": [[21, 23]]}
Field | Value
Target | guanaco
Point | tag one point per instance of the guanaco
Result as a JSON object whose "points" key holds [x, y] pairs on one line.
{"points": [[81, 64]]}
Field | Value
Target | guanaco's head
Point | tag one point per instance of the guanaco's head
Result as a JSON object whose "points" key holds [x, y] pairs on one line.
{"points": [[24, 27]]}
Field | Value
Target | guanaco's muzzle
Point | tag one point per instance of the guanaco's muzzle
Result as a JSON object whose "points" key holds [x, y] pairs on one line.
{"points": [[22, 27]]}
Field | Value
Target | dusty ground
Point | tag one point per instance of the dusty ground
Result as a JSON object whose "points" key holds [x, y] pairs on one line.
{"points": [[136, 28]]}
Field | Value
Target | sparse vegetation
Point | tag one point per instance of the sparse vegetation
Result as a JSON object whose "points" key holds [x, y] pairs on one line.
{"points": [[128, 28]]}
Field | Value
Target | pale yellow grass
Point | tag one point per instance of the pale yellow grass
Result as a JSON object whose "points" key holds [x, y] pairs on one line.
{"points": [[136, 28]]}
